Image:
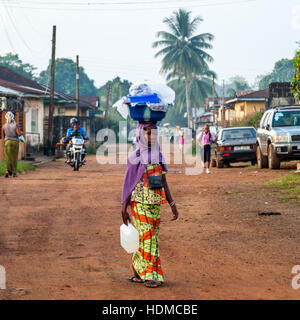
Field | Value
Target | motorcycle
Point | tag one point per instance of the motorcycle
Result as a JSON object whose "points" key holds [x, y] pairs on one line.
{"points": [[77, 152]]}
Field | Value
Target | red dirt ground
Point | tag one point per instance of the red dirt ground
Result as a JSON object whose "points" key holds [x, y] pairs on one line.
{"points": [[59, 236]]}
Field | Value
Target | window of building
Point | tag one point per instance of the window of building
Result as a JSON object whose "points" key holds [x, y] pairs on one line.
{"points": [[242, 108], [62, 111], [34, 116]]}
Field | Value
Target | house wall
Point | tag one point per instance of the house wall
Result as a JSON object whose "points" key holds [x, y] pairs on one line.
{"points": [[34, 110], [247, 108], [72, 112], [229, 114]]}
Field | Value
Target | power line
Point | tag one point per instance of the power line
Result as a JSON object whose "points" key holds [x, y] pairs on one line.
{"points": [[103, 3], [135, 3], [15, 27], [7, 35]]}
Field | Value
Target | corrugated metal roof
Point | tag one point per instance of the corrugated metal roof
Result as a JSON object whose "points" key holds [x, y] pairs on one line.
{"points": [[260, 95]]}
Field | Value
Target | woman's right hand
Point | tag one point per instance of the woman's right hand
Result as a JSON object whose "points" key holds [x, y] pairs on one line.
{"points": [[125, 215]]}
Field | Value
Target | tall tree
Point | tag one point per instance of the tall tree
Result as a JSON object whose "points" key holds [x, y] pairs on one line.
{"points": [[296, 80], [183, 53], [120, 88], [283, 72], [237, 83], [199, 88], [65, 75], [13, 62]]}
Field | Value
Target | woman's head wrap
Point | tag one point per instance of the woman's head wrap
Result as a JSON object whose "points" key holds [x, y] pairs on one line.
{"points": [[138, 159], [9, 116]]}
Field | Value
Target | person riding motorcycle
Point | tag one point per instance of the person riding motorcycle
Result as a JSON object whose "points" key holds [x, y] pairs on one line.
{"points": [[75, 131]]}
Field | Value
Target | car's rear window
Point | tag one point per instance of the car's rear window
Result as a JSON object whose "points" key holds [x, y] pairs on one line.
{"points": [[238, 134], [286, 118]]}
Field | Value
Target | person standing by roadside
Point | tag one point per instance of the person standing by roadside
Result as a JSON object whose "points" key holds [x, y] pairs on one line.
{"points": [[11, 133], [205, 139]]}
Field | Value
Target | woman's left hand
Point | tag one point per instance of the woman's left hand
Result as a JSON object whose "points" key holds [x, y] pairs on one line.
{"points": [[175, 213]]}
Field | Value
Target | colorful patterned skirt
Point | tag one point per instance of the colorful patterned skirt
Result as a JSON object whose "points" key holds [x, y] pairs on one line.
{"points": [[146, 261]]}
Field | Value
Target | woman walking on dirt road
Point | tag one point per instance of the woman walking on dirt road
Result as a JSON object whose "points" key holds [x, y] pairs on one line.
{"points": [[205, 139], [11, 133], [146, 188]]}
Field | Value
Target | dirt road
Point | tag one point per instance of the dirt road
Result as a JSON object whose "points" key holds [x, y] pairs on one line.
{"points": [[59, 236]]}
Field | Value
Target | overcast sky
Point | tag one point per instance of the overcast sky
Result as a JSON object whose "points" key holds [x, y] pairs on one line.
{"points": [[116, 39]]}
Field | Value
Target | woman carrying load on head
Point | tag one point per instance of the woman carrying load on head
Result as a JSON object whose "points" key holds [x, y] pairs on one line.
{"points": [[145, 188], [11, 133]]}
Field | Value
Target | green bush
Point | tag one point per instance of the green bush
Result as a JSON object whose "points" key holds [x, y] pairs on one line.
{"points": [[91, 150]]}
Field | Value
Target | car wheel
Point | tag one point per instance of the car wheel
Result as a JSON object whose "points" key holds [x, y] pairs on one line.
{"points": [[219, 162], [227, 164], [273, 160], [262, 161], [253, 162], [213, 163]]}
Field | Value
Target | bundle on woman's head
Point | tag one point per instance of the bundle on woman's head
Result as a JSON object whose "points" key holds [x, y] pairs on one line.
{"points": [[9, 116]]}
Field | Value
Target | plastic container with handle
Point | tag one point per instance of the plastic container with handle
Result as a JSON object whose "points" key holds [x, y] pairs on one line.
{"points": [[129, 237]]}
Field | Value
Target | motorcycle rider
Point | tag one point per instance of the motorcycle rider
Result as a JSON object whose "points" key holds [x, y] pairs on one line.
{"points": [[74, 131]]}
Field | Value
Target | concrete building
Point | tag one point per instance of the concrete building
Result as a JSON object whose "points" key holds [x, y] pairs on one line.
{"points": [[245, 105]]}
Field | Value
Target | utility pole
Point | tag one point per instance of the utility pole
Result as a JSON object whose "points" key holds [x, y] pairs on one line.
{"points": [[77, 86], [213, 95], [223, 106], [108, 94], [51, 100]]}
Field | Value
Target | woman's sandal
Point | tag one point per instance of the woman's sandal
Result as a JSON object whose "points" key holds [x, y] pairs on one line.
{"points": [[136, 278]]}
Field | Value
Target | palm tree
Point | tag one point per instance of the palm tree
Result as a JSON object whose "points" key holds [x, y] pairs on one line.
{"points": [[183, 53], [200, 87]]}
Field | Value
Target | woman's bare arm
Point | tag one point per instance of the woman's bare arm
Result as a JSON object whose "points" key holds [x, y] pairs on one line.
{"points": [[169, 197], [124, 213]]}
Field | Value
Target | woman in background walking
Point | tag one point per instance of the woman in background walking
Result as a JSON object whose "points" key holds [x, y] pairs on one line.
{"points": [[181, 140], [205, 139], [11, 133]]}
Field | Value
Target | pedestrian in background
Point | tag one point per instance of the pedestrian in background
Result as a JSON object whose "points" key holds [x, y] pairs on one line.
{"points": [[11, 133], [181, 140], [205, 139]]}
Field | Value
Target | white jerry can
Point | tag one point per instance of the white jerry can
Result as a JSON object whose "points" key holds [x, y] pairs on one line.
{"points": [[129, 238]]}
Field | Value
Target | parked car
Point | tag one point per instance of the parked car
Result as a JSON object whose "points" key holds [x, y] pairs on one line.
{"points": [[278, 137], [236, 144]]}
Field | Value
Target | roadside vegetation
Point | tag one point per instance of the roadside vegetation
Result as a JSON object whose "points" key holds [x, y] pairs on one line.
{"points": [[251, 121], [91, 150], [288, 187], [22, 166]]}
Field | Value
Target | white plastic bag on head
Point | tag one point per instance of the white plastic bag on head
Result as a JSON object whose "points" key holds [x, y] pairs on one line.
{"points": [[122, 108], [141, 89], [165, 93]]}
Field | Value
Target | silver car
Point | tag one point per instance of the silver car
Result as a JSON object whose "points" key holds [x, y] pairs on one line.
{"points": [[278, 137]]}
